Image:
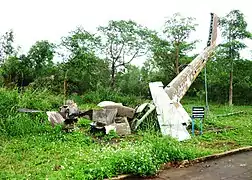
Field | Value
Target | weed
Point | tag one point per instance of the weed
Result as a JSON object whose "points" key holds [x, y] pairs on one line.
{"points": [[31, 149]]}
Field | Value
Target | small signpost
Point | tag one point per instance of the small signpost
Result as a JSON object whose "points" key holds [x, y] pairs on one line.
{"points": [[197, 112]]}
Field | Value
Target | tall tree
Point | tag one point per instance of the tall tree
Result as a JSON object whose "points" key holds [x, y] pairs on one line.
{"points": [[178, 29], [83, 69], [6, 45], [79, 41], [41, 56], [234, 29], [132, 82], [122, 42], [162, 59]]}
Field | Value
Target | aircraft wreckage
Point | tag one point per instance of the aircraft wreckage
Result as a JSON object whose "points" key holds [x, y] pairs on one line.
{"points": [[172, 117]]}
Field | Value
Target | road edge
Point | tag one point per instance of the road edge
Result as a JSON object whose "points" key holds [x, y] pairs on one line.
{"points": [[186, 163]]}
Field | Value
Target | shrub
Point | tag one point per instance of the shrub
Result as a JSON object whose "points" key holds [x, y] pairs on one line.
{"points": [[107, 95], [14, 123], [137, 158]]}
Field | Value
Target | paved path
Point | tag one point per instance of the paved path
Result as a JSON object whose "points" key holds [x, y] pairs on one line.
{"points": [[234, 167]]}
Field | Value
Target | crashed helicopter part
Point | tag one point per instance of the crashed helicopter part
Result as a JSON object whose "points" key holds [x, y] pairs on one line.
{"points": [[148, 107], [119, 121], [112, 116], [104, 117], [172, 117], [121, 110], [28, 110], [169, 118], [67, 115], [55, 118], [122, 126]]}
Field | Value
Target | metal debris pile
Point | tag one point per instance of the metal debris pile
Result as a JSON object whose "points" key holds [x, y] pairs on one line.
{"points": [[110, 116]]}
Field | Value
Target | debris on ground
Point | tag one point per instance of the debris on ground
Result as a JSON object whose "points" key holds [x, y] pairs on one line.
{"points": [[110, 116]]}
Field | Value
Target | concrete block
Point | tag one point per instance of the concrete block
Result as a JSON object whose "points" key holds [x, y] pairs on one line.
{"points": [[122, 110], [122, 126]]}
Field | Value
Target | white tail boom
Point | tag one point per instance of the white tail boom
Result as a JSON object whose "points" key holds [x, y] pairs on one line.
{"points": [[172, 117]]}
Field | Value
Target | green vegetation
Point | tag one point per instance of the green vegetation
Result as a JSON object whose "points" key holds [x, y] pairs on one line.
{"points": [[31, 149], [91, 62], [97, 67]]}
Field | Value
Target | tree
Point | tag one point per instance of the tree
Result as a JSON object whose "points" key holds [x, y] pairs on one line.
{"points": [[234, 29], [41, 56], [11, 71], [178, 29], [83, 70], [162, 59], [132, 82], [122, 42], [6, 46], [80, 40]]}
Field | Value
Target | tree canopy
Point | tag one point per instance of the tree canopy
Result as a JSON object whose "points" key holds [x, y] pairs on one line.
{"points": [[90, 61]]}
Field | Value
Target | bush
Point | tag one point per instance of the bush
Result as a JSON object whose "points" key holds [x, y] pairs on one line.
{"points": [[14, 123], [141, 158], [107, 95]]}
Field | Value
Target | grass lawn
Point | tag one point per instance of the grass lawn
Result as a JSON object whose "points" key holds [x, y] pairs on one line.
{"points": [[53, 154]]}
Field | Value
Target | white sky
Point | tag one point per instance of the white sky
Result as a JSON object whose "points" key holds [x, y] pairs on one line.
{"points": [[34, 20]]}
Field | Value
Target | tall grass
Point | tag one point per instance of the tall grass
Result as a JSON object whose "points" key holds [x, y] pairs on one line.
{"points": [[14, 123], [106, 94], [31, 149], [83, 158]]}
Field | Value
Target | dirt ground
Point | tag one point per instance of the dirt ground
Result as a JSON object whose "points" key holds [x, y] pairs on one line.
{"points": [[234, 167]]}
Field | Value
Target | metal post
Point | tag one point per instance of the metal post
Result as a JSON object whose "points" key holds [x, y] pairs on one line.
{"points": [[207, 107], [192, 126], [201, 131]]}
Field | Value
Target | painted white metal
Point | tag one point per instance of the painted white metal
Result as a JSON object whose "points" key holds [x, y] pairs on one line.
{"points": [[150, 108], [172, 117], [172, 120]]}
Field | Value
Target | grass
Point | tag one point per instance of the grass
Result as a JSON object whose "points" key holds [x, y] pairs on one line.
{"points": [[31, 149]]}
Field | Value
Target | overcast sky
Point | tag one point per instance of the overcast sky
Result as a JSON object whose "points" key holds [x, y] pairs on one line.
{"points": [[34, 20]]}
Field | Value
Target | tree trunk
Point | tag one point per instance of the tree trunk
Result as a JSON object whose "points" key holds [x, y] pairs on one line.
{"points": [[65, 87], [230, 102], [65, 90], [177, 60], [113, 74]]}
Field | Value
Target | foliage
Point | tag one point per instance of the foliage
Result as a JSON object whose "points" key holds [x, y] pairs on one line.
{"points": [[13, 123], [234, 29], [178, 29], [163, 59], [36, 151], [108, 94], [83, 70], [79, 41], [122, 42], [94, 61], [40, 56], [6, 45], [132, 82]]}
